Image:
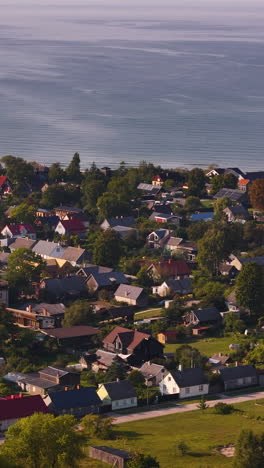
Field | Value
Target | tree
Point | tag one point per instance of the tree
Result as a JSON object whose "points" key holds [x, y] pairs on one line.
{"points": [[42, 441], [60, 194], [136, 378], [256, 194], [197, 230], [73, 171], [143, 278], [230, 181], [192, 203], [256, 356], [211, 293], [212, 251], [107, 249], [233, 324], [17, 169], [196, 183], [24, 267], [139, 460], [188, 357], [181, 448], [115, 371], [223, 408], [110, 205], [56, 173], [79, 313], [249, 450], [23, 213], [202, 404], [249, 287], [92, 190], [219, 206], [98, 426]]}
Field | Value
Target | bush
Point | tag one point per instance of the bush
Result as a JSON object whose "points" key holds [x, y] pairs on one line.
{"points": [[97, 426], [223, 408]]}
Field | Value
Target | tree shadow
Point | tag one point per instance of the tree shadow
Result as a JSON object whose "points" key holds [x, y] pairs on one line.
{"points": [[199, 454], [130, 435]]}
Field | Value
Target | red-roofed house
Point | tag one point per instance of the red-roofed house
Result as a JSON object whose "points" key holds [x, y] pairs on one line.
{"points": [[157, 181], [5, 186], [134, 346], [243, 184], [19, 230], [70, 227], [16, 407], [169, 269]]}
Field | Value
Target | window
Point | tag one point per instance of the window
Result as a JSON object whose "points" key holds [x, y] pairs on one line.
{"points": [[187, 390], [132, 400], [201, 387], [169, 379], [116, 403]]}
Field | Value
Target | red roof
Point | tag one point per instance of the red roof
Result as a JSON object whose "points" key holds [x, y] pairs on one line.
{"points": [[3, 179], [73, 225], [243, 181], [170, 333], [16, 407], [172, 268], [157, 178], [16, 229], [132, 337]]}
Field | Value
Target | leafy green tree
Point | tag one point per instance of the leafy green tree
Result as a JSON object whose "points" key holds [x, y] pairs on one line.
{"points": [[230, 181], [17, 169], [249, 287], [23, 213], [24, 268], [188, 357], [110, 205], [115, 371], [60, 194], [219, 206], [143, 278], [139, 460], [211, 293], [223, 408], [42, 441], [136, 378], [249, 450], [256, 194], [197, 230], [192, 203], [211, 251], [92, 190], [98, 426], [256, 356], [202, 404], [73, 171], [196, 183], [56, 173], [107, 249], [233, 324], [79, 313]]}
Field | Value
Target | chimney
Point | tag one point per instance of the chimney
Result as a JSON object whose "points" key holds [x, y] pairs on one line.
{"points": [[66, 389], [117, 380], [78, 387], [180, 367]]}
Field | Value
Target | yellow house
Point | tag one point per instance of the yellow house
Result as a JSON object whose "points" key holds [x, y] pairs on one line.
{"points": [[120, 394]]}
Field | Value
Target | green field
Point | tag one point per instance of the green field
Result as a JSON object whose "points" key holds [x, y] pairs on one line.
{"points": [[202, 431], [148, 313], [207, 346]]}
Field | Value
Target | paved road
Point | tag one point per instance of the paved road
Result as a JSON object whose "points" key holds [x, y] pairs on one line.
{"points": [[119, 419]]}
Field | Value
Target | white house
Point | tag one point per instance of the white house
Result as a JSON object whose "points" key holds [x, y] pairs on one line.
{"points": [[185, 383], [119, 395], [14, 230], [172, 287]]}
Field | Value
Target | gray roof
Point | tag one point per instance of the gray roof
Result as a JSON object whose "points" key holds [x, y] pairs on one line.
{"points": [[237, 210], [73, 254], [105, 357], [151, 189], [112, 451], [157, 214], [128, 291], [78, 398], [259, 260], [210, 313], [109, 279], [150, 369], [91, 269], [68, 284], [183, 286], [121, 221], [54, 371], [70, 209], [174, 241], [232, 373], [120, 390], [46, 248], [161, 233], [232, 194], [22, 242], [52, 309], [189, 377]]}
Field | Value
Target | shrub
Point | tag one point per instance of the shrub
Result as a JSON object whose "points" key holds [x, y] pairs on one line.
{"points": [[223, 408]]}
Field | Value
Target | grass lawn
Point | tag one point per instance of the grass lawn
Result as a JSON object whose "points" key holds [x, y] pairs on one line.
{"points": [[207, 203], [202, 431], [207, 346], [148, 314]]}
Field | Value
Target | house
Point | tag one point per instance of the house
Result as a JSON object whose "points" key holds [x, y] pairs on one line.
{"points": [[165, 218], [153, 373], [219, 360], [111, 223], [118, 395], [49, 378], [104, 359], [76, 256], [62, 211], [202, 317], [31, 319], [232, 303], [223, 171], [172, 243], [80, 336], [4, 292], [5, 186], [47, 223], [169, 269], [43, 213], [21, 243], [15, 230], [238, 377], [243, 185], [239, 262], [234, 195], [133, 346], [157, 181], [78, 402], [254, 175], [55, 311], [169, 336], [16, 407], [236, 213], [149, 189], [132, 295], [123, 231], [81, 217], [98, 281], [228, 270], [48, 249], [172, 287], [185, 383], [57, 289], [91, 269], [157, 239], [186, 248], [71, 227], [114, 457]]}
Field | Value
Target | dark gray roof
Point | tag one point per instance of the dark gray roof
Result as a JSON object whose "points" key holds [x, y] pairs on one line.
{"points": [[210, 313], [38, 382], [189, 377], [232, 373], [255, 175], [120, 390], [54, 371], [237, 210], [66, 285], [183, 286], [259, 260], [232, 194], [128, 291], [91, 269], [78, 398], [121, 221], [70, 209], [160, 233], [111, 278]]}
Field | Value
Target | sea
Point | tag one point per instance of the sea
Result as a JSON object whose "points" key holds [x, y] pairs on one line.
{"points": [[178, 83]]}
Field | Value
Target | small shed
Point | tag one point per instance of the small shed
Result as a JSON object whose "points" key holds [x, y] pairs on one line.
{"points": [[112, 456]]}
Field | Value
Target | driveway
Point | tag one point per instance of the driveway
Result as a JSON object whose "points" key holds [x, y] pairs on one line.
{"points": [[119, 419]]}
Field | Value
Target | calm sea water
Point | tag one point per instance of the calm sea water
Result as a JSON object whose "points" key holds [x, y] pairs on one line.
{"points": [[178, 83]]}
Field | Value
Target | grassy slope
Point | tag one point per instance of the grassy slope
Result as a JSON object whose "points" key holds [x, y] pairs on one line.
{"points": [[207, 346], [201, 431]]}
